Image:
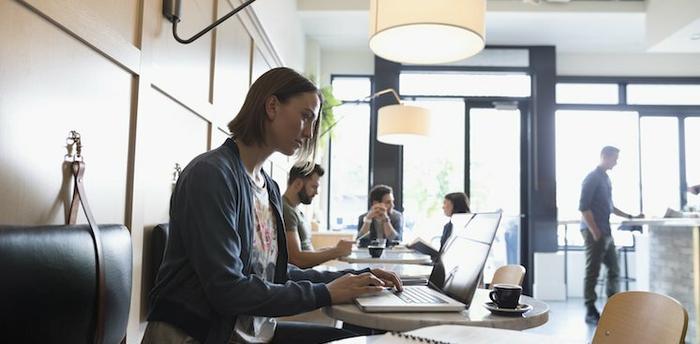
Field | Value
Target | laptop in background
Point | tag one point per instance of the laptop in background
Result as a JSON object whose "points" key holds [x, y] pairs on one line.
{"points": [[455, 277]]}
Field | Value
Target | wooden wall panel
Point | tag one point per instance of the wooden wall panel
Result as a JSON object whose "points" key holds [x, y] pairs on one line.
{"points": [[259, 65], [110, 27], [121, 16], [142, 101], [218, 136], [231, 68], [182, 70], [172, 134], [50, 83]]}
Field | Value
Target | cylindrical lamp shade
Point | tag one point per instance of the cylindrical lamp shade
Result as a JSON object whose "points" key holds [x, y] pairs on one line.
{"points": [[402, 124], [426, 32]]}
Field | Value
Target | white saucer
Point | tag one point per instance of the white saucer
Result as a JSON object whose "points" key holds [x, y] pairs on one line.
{"points": [[520, 309]]}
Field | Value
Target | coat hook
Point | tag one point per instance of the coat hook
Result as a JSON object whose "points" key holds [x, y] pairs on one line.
{"points": [[74, 147]]}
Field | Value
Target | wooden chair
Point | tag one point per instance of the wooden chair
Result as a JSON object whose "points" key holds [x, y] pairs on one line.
{"points": [[641, 317], [509, 274]]}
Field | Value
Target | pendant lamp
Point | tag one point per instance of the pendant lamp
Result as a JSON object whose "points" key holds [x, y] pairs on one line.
{"points": [[426, 31]]}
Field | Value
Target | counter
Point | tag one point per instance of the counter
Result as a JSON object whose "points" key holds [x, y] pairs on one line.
{"points": [[673, 263]]}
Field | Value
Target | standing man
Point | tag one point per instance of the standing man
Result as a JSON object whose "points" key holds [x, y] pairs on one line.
{"points": [[301, 189], [381, 220], [596, 206]]}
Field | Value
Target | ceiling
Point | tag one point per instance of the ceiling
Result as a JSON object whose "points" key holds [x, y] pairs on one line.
{"points": [[572, 26]]}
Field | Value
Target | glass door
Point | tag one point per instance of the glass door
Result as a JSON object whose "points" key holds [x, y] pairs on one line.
{"points": [[494, 174], [433, 169]]}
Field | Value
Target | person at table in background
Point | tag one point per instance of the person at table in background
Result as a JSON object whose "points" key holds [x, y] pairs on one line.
{"points": [[381, 221], [596, 205], [454, 203], [225, 276], [302, 187]]}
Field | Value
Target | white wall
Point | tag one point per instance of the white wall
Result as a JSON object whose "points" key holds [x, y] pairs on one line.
{"points": [[313, 59], [345, 62], [649, 64], [282, 25]]}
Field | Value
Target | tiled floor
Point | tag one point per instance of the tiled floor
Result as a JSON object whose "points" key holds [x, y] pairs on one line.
{"points": [[566, 320]]}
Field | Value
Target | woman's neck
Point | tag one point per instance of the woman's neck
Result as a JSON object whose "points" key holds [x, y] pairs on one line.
{"points": [[253, 158]]}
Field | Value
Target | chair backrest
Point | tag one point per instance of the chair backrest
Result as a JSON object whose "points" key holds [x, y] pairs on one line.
{"points": [[641, 317], [510, 274], [49, 284]]}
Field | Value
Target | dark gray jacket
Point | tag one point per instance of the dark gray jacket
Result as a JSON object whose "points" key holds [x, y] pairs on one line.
{"points": [[204, 282]]}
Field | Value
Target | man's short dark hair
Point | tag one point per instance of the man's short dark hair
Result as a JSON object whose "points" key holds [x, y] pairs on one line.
{"points": [[297, 172], [378, 192], [609, 151]]}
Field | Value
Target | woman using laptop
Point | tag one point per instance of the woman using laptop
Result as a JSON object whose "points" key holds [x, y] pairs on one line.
{"points": [[225, 276]]}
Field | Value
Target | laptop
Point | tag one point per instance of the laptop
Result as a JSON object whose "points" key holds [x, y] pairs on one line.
{"points": [[455, 276]]}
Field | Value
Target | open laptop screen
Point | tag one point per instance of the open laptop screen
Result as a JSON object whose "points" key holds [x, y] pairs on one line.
{"points": [[465, 255]]}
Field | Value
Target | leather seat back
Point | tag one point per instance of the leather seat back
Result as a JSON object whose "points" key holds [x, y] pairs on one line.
{"points": [[49, 284], [159, 242]]}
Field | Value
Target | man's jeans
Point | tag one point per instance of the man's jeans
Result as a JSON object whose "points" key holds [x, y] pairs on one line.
{"points": [[597, 252]]}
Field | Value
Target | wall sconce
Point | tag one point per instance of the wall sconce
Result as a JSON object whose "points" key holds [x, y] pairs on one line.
{"points": [[171, 11], [421, 32], [401, 124]]}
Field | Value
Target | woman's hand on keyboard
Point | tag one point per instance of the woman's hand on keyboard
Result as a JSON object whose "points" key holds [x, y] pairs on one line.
{"points": [[348, 287], [389, 278]]}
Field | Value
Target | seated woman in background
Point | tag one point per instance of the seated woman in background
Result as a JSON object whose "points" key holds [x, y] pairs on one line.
{"points": [[454, 203]]}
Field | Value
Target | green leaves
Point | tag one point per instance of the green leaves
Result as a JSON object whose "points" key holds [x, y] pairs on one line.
{"points": [[328, 120]]}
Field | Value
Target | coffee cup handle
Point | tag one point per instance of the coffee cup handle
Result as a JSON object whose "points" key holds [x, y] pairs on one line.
{"points": [[493, 296]]}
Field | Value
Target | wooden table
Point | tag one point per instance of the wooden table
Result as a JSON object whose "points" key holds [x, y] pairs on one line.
{"points": [[463, 334], [361, 256], [476, 315]]}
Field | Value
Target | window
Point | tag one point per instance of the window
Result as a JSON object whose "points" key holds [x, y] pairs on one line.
{"points": [[349, 154], [465, 84], [580, 135], [494, 178], [433, 169], [587, 93], [663, 94], [692, 158], [660, 165], [351, 88]]}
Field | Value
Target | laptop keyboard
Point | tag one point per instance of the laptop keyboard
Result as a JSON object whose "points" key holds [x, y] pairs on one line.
{"points": [[418, 295]]}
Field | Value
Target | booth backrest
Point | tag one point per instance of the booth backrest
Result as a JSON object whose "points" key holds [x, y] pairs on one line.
{"points": [[159, 241], [48, 285]]}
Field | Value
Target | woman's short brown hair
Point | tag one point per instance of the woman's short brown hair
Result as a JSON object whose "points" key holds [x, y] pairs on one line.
{"points": [[460, 202], [284, 83]]}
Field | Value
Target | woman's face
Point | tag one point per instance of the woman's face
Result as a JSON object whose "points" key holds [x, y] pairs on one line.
{"points": [[292, 122], [447, 207]]}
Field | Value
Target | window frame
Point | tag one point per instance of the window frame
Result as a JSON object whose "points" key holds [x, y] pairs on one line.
{"points": [[679, 111], [329, 169]]}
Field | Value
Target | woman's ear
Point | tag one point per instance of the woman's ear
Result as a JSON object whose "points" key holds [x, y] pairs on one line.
{"points": [[271, 107]]}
